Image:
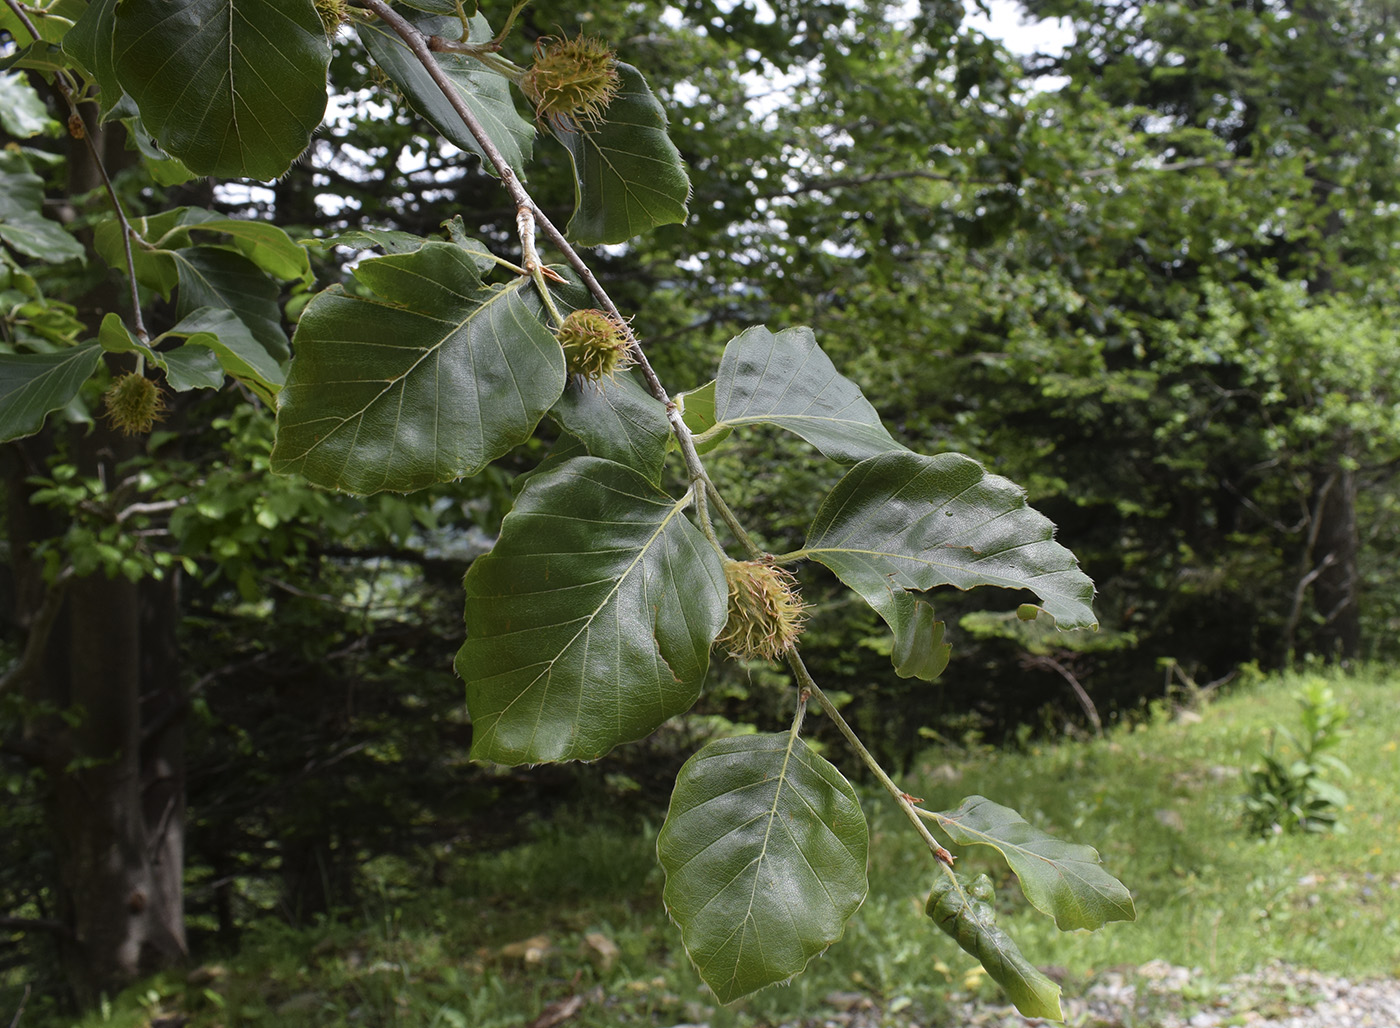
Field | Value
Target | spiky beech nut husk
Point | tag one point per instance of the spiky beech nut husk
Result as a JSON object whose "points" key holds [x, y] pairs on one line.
{"points": [[572, 80], [595, 345], [134, 404], [332, 12], [766, 611]]}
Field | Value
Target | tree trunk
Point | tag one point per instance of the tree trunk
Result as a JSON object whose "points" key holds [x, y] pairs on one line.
{"points": [[1336, 555], [115, 799], [117, 817]]}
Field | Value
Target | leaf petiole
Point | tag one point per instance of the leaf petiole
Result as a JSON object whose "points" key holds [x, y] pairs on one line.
{"points": [[901, 798]]}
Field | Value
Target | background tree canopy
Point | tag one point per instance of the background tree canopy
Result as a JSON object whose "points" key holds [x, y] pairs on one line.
{"points": [[1150, 278]]}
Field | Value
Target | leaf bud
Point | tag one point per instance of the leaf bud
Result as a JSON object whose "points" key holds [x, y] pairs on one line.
{"points": [[134, 404], [766, 611], [572, 80], [595, 344]]}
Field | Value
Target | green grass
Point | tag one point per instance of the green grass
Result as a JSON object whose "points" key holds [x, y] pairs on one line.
{"points": [[1160, 801]]}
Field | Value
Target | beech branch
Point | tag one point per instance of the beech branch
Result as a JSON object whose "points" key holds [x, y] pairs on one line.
{"points": [[77, 128], [418, 44]]}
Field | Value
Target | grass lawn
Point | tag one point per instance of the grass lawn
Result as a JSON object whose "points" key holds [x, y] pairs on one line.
{"points": [[577, 912]]}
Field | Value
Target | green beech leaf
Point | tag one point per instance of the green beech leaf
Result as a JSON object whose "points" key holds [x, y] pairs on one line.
{"points": [[964, 911], [441, 6], [212, 276], [628, 175], [617, 419], [427, 381], [154, 262], [22, 226], [91, 44], [267, 246], [919, 650], [390, 240], [34, 384], [53, 20], [22, 114], [115, 337], [697, 409], [590, 622], [44, 57], [230, 87], [192, 367], [1062, 879], [903, 523], [485, 91], [235, 349], [785, 379], [764, 849]]}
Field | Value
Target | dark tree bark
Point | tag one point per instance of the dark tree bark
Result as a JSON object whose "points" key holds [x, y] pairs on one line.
{"points": [[1336, 554], [106, 669], [115, 799]]}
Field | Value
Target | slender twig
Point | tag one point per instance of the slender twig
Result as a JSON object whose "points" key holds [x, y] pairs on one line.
{"points": [[78, 127], [902, 799], [731, 519], [700, 480], [418, 46], [20, 1012], [515, 10]]}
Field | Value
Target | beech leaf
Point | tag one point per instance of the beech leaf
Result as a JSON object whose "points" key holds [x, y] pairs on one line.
{"points": [[485, 91], [964, 911], [90, 42], [616, 418], [764, 849], [590, 622], [34, 384], [628, 175], [784, 379], [230, 87], [903, 522], [1062, 879], [428, 380]]}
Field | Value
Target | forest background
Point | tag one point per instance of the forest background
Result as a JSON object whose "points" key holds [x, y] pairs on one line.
{"points": [[1150, 277]]}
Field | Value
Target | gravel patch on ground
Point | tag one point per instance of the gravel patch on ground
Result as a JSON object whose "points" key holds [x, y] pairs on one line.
{"points": [[1161, 995]]}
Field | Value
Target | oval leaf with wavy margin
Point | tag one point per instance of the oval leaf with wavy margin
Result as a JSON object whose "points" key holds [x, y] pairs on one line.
{"points": [[230, 87], [1062, 879], [91, 43], [964, 911], [22, 223], [428, 381], [785, 379], [764, 849], [765, 855], [628, 175], [34, 384], [486, 92], [590, 622], [904, 523], [616, 418]]}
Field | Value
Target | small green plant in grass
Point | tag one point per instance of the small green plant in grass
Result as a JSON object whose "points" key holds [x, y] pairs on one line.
{"points": [[1292, 795]]}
